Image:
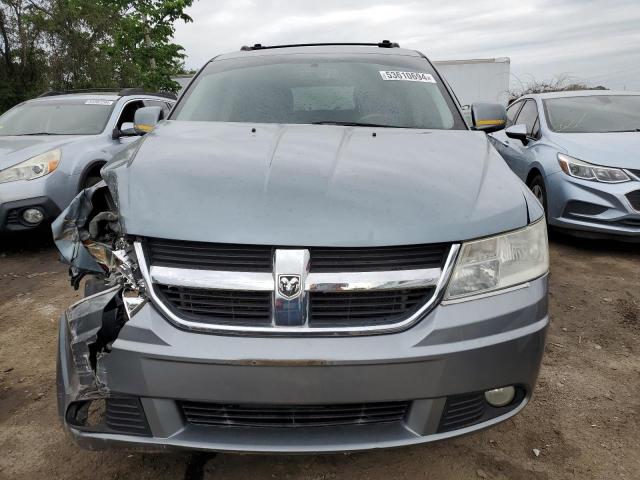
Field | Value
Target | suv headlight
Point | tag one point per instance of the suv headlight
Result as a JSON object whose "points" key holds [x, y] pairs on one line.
{"points": [[35, 167], [500, 262], [586, 171]]}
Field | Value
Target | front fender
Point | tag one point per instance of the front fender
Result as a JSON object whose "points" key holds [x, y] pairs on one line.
{"points": [[70, 229]]}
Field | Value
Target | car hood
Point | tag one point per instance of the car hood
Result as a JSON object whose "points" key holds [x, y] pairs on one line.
{"points": [[15, 149], [314, 185], [619, 149]]}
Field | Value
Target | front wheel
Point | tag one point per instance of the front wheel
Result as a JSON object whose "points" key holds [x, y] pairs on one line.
{"points": [[90, 181], [537, 186]]}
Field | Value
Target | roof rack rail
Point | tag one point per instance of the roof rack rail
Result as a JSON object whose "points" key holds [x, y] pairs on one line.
{"points": [[53, 93], [382, 44], [140, 91], [114, 91]]}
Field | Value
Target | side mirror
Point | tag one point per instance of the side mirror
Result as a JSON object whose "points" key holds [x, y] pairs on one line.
{"points": [[488, 117], [146, 118], [518, 132], [126, 130]]}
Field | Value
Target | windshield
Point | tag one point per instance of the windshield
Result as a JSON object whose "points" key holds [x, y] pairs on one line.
{"points": [[373, 89], [594, 114], [68, 117]]}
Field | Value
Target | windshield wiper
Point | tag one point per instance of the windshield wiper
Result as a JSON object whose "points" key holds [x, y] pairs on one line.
{"points": [[356, 124], [622, 131]]}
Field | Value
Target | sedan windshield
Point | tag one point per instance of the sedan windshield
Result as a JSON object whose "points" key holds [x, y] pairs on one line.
{"points": [[594, 114], [356, 90], [58, 117]]}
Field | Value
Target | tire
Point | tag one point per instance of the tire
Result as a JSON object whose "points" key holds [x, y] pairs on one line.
{"points": [[90, 181], [537, 186], [93, 285]]}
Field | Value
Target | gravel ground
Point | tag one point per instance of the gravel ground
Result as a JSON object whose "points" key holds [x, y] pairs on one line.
{"points": [[584, 420]]}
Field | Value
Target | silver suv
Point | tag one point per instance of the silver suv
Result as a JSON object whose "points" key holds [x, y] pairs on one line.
{"points": [[313, 253], [54, 146]]}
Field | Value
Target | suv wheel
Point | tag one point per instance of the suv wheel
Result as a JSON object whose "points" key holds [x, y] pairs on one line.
{"points": [[90, 181], [93, 285]]}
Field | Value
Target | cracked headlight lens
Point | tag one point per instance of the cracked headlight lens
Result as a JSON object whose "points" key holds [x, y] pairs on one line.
{"points": [[35, 167], [500, 262], [586, 171]]}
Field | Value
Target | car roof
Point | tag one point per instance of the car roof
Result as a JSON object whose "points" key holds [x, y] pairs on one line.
{"points": [[578, 93], [319, 49]]}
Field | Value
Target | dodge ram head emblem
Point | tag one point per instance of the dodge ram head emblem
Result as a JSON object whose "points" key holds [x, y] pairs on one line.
{"points": [[289, 285]]}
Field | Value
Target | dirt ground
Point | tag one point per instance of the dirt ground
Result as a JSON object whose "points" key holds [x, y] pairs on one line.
{"points": [[584, 419]]}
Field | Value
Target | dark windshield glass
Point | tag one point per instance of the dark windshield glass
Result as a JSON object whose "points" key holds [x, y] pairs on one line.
{"points": [[68, 117], [385, 90], [594, 114]]}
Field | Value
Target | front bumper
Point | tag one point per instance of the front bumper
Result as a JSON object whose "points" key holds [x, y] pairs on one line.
{"points": [[593, 209], [50, 194], [459, 348]]}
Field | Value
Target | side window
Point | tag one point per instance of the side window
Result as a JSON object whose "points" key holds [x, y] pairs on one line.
{"points": [[128, 112], [158, 103], [529, 116], [512, 111]]}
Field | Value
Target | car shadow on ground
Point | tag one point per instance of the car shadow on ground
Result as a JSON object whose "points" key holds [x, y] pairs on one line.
{"points": [[26, 242], [596, 246]]}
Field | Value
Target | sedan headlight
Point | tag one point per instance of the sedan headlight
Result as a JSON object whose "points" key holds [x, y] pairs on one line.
{"points": [[586, 171], [35, 167], [500, 262]]}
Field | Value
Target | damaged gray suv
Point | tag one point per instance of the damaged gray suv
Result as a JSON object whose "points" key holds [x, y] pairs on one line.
{"points": [[312, 253]]}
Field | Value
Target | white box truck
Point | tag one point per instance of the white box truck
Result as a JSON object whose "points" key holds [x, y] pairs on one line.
{"points": [[480, 80]]}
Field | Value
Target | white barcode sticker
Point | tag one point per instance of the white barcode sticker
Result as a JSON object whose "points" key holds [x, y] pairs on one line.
{"points": [[99, 102], [407, 76]]}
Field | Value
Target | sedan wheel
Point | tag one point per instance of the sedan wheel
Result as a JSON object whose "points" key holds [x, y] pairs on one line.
{"points": [[537, 186]]}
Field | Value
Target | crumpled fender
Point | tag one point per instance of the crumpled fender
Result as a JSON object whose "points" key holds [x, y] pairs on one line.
{"points": [[68, 232]]}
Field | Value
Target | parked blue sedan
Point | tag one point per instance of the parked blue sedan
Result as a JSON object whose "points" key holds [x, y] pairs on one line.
{"points": [[579, 152]]}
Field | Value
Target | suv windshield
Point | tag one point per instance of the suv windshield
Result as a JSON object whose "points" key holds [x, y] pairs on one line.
{"points": [[57, 117], [372, 89], [594, 114]]}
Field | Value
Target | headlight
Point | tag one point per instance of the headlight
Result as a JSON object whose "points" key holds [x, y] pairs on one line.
{"points": [[500, 262], [35, 167], [586, 171]]}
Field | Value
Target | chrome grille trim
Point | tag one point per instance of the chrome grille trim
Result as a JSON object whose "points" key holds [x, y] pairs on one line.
{"points": [[320, 282], [215, 280], [315, 282], [366, 281]]}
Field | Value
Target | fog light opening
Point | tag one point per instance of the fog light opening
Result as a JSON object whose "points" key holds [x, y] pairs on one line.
{"points": [[87, 414], [500, 397], [33, 216]]}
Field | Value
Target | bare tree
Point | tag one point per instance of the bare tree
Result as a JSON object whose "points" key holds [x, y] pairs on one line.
{"points": [[559, 83]]}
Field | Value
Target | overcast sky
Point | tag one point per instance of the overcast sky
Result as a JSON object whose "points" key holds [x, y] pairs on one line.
{"points": [[595, 41]]}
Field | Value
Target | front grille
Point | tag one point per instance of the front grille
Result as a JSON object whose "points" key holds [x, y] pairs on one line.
{"points": [[406, 257], [210, 256], [387, 302], [634, 199], [225, 307], [636, 173], [338, 309], [125, 415], [259, 258], [630, 222], [232, 415], [462, 411]]}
